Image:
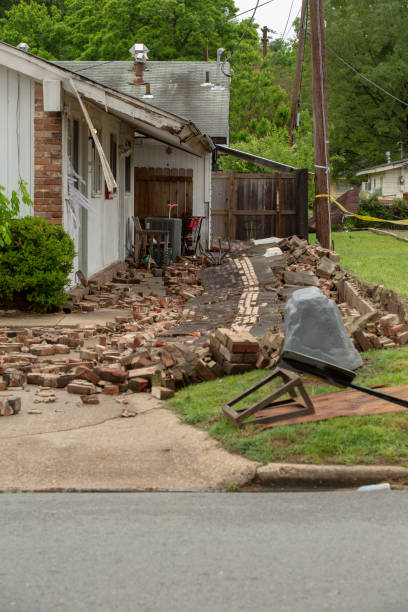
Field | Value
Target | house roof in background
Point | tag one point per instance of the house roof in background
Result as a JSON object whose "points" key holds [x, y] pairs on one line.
{"points": [[175, 86], [383, 167]]}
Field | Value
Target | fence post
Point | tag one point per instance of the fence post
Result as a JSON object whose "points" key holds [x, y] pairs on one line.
{"points": [[231, 208], [278, 208], [302, 217]]}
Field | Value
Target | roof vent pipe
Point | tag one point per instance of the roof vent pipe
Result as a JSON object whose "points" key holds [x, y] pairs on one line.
{"points": [[388, 156], [217, 86], [139, 53], [23, 47], [147, 94], [207, 82]]}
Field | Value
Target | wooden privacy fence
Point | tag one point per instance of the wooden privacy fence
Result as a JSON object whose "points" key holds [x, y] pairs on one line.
{"points": [[156, 188], [246, 205]]}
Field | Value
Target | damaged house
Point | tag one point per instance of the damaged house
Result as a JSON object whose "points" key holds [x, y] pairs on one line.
{"points": [[87, 151]]}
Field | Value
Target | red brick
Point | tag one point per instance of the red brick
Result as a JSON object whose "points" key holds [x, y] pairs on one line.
{"points": [[90, 399], [162, 393], [138, 385], [402, 338], [114, 375], [110, 389], [87, 374], [81, 387]]}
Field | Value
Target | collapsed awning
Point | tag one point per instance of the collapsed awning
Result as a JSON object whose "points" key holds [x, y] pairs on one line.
{"points": [[255, 159]]}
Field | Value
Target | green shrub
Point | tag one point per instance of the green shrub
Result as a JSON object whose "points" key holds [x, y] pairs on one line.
{"points": [[35, 266], [370, 206], [10, 207]]}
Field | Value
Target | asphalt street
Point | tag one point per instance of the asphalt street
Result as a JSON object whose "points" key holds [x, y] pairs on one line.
{"points": [[343, 551]]}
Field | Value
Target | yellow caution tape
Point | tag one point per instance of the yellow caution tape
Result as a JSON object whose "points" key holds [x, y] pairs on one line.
{"points": [[363, 217]]}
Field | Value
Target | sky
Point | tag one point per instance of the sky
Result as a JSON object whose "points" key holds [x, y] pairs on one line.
{"points": [[274, 15]]}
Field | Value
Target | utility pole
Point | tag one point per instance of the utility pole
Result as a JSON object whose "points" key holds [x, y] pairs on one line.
{"points": [[298, 72], [320, 122], [265, 31], [401, 146]]}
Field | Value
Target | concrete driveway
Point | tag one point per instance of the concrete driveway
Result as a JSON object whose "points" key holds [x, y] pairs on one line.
{"points": [[68, 445]]}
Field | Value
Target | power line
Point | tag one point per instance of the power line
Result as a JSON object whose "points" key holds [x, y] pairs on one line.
{"points": [[366, 78], [251, 9], [240, 40], [287, 21]]}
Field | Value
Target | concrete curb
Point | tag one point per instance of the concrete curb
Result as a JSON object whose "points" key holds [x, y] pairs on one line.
{"points": [[329, 475]]}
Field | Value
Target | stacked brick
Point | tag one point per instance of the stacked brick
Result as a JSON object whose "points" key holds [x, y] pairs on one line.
{"points": [[235, 352], [301, 265], [374, 330], [47, 161]]}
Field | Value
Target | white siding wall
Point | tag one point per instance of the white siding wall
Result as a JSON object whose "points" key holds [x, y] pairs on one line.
{"points": [[389, 182], [16, 132], [102, 244], [152, 154]]}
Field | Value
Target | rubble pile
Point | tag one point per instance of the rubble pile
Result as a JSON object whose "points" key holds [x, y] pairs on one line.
{"points": [[297, 265], [138, 352], [158, 343], [374, 330]]}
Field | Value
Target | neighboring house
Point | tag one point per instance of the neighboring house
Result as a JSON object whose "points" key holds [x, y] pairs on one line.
{"points": [[389, 180], [163, 174], [72, 140], [338, 187]]}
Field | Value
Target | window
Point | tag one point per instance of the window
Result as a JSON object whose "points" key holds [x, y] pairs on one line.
{"points": [[96, 167], [127, 174], [113, 155]]}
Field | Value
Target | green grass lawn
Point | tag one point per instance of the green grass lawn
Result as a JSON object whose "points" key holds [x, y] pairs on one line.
{"points": [[381, 439], [380, 260]]}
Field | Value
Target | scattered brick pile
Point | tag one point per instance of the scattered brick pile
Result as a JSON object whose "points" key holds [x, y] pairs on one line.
{"points": [[146, 350], [374, 330], [303, 265]]}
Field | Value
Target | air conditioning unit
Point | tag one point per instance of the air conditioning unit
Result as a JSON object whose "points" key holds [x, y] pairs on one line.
{"points": [[173, 226]]}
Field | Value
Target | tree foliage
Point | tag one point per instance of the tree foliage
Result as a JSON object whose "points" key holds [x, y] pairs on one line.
{"points": [[365, 122], [9, 209], [258, 103], [260, 109], [106, 29]]}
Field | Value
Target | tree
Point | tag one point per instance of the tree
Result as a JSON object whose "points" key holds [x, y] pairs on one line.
{"points": [[39, 24], [260, 109], [365, 122], [172, 29], [258, 105], [106, 29]]}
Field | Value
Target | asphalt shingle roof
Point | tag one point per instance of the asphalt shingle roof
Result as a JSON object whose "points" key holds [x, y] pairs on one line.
{"points": [[175, 86]]}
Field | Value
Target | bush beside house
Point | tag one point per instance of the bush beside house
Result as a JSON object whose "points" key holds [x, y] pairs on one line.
{"points": [[35, 266]]}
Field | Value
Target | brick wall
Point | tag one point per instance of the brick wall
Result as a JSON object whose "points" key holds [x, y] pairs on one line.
{"points": [[47, 161]]}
